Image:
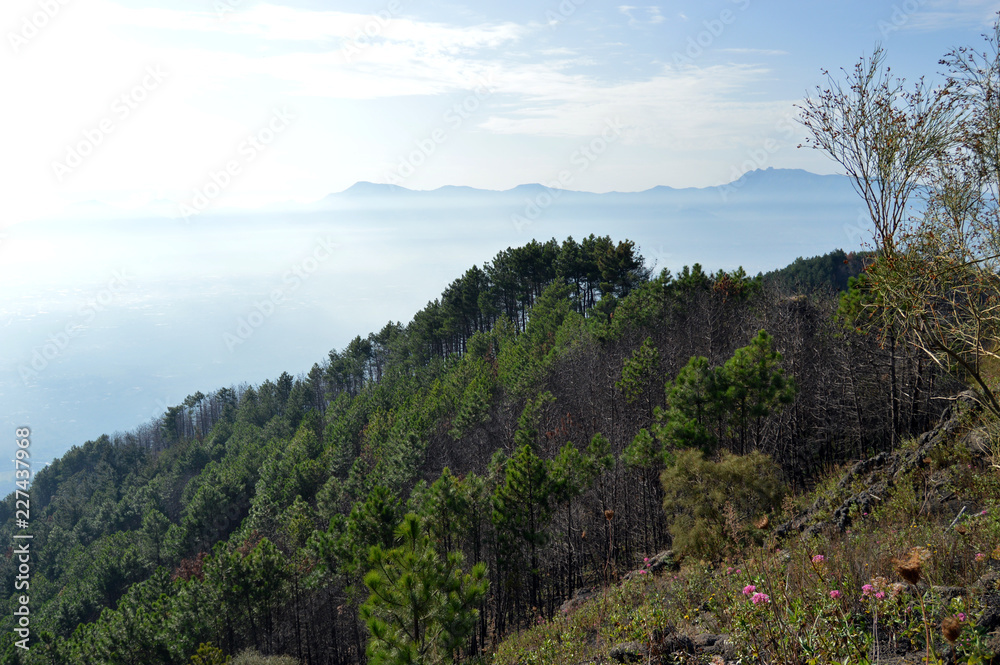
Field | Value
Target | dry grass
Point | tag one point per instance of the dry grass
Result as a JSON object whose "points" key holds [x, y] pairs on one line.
{"points": [[815, 605], [252, 657]]}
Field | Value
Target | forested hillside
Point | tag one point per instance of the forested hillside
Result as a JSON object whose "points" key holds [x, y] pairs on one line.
{"points": [[833, 270], [522, 421]]}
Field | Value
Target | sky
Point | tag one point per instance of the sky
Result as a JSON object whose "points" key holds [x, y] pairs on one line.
{"points": [[196, 104]]}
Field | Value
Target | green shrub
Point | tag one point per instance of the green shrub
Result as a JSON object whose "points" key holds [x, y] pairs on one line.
{"points": [[712, 505], [209, 654]]}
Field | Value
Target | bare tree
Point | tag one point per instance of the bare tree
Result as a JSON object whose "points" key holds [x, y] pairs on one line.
{"points": [[934, 278], [883, 135]]}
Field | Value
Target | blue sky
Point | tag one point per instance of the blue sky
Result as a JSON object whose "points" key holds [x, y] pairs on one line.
{"points": [[135, 104]]}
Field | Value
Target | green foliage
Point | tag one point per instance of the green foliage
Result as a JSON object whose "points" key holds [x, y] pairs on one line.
{"points": [[644, 308], [155, 622], [446, 509], [711, 505], [573, 472], [696, 401], [527, 423], [708, 404], [833, 270], [637, 370], [855, 306], [547, 315], [521, 504], [296, 525], [474, 404], [517, 370], [755, 386], [422, 607], [644, 452], [371, 523], [209, 654], [599, 453], [522, 507], [239, 532], [249, 578], [736, 284]]}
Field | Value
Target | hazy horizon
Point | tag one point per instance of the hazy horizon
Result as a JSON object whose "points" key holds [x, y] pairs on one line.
{"points": [[107, 329], [249, 104]]}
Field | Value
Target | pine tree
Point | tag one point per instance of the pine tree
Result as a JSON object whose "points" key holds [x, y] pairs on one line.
{"points": [[756, 386], [637, 370], [446, 509], [697, 402], [573, 473], [422, 608], [521, 512]]}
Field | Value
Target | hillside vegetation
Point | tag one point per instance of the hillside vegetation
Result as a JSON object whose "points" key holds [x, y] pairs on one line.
{"points": [[894, 558], [494, 455], [500, 479]]}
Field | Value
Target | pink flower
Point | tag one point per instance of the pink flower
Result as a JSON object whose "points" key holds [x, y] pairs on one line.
{"points": [[818, 558], [980, 556], [880, 595], [749, 589], [835, 594], [737, 572], [867, 589], [642, 572], [729, 570], [646, 560], [759, 598], [961, 616]]}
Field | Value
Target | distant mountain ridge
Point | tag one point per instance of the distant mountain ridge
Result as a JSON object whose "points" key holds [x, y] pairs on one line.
{"points": [[797, 184], [770, 177]]}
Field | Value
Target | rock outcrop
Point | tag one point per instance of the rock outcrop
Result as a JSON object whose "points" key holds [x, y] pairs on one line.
{"points": [[877, 475]]}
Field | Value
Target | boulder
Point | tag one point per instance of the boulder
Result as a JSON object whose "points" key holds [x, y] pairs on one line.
{"points": [[947, 593], [662, 562], [580, 596], [977, 442], [667, 641], [989, 620], [714, 645], [629, 652]]}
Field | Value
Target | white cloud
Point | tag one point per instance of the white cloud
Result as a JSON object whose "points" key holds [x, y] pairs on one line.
{"points": [[753, 51], [278, 23], [678, 108], [627, 11], [934, 15], [653, 15], [225, 76]]}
